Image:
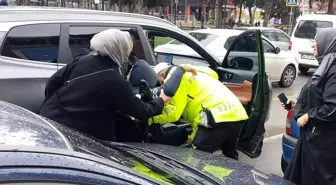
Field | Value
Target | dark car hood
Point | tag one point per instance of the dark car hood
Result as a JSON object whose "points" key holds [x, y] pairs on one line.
{"points": [[226, 170], [20, 128]]}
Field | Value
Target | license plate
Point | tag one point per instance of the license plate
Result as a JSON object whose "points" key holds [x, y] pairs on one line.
{"points": [[307, 56]]}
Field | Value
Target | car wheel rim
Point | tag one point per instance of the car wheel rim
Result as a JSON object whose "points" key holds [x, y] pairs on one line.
{"points": [[289, 76]]}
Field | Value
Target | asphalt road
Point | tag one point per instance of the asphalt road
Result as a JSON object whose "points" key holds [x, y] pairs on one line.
{"points": [[269, 161]]}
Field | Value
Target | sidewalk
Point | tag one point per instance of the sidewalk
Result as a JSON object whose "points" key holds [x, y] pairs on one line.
{"points": [[191, 25]]}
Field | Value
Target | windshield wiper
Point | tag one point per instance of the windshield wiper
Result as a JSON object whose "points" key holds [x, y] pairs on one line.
{"points": [[167, 166]]}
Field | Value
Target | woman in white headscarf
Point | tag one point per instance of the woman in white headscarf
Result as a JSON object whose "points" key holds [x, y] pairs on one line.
{"points": [[87, 93], [314, 159]]}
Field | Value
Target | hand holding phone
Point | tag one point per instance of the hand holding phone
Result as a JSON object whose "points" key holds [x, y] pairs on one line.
{"points": [[283, 98]]}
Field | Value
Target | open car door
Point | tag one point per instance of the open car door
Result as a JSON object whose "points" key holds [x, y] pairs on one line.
{"points": [[243, 72]]}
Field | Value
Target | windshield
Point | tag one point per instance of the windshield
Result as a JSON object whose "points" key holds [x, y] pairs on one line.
{"points": [[307, 28], [104, 149], [204, 38]]}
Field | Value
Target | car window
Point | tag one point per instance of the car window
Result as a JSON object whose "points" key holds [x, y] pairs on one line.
{"points": [[80, 36], [243, 55], [244, 44], [268, 48], [166, 52], [307, 28], [282, 37], [270, 35], [204, 38], [38, 42]]}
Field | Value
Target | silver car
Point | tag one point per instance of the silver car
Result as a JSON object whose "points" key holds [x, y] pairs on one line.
{"points": [[36, 42]]}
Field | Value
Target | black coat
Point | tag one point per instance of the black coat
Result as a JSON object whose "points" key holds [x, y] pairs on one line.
{"points": [[314, 159], [87, 94]]}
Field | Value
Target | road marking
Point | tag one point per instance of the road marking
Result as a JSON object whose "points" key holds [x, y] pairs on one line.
{"points": [[273, 137], [290, 97]]}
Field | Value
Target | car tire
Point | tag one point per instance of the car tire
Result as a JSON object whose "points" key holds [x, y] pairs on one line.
{"points": [[304, 70], [283, 164], [288, 76]]}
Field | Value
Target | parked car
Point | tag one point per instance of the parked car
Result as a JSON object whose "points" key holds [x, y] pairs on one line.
{"points": [[303, 35], [36, 150], [277, 37], [34, 46], [289, 139], [279, 64]]}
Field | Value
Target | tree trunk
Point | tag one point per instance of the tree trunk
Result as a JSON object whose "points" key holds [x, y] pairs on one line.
{"points": [[225, 15], [120, 7], [110, 6], [250, 15], [331, 7], [240, 11], [129, 7], [26, 2], [103, 5], [217, 13], [268, 10]]}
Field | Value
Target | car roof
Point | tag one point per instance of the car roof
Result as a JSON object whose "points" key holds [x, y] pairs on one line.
{"points": [[254, 28], [320, 17], [224, 33], [219, 32], [54, 14]]}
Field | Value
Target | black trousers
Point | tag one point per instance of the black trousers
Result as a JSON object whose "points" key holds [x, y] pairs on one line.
{"points": [[224, 137]]}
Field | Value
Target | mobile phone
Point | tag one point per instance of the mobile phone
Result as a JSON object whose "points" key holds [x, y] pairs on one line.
{"points": [[283, 98]]}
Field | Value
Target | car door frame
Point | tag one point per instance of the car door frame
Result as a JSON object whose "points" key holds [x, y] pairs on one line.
{"points": [[208, 58], [253, 147], [251, 143], [65, 32]]}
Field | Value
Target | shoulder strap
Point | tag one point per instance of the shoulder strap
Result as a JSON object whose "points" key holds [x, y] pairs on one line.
{"points": [[88, 75]]}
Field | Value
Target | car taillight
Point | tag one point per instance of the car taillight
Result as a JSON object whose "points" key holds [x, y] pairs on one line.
{"points": [[290, 46], [289, 122]]}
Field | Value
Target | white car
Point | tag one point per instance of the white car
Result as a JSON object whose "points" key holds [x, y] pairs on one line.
{"points": [[303, 35], [280, 65]]}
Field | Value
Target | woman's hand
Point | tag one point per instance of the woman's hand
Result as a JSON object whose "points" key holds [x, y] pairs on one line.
{"points": [[303, 120], [164, 96], [291, 102], [189, 68]]}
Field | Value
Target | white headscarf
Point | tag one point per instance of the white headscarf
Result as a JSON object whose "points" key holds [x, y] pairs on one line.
{"points": [[113, 43]]}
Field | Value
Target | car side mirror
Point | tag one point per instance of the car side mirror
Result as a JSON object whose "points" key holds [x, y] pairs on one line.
{"points": [[277, 50]]}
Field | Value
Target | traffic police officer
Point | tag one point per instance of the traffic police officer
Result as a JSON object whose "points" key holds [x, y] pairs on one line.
{"points": [[214, 112]]}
